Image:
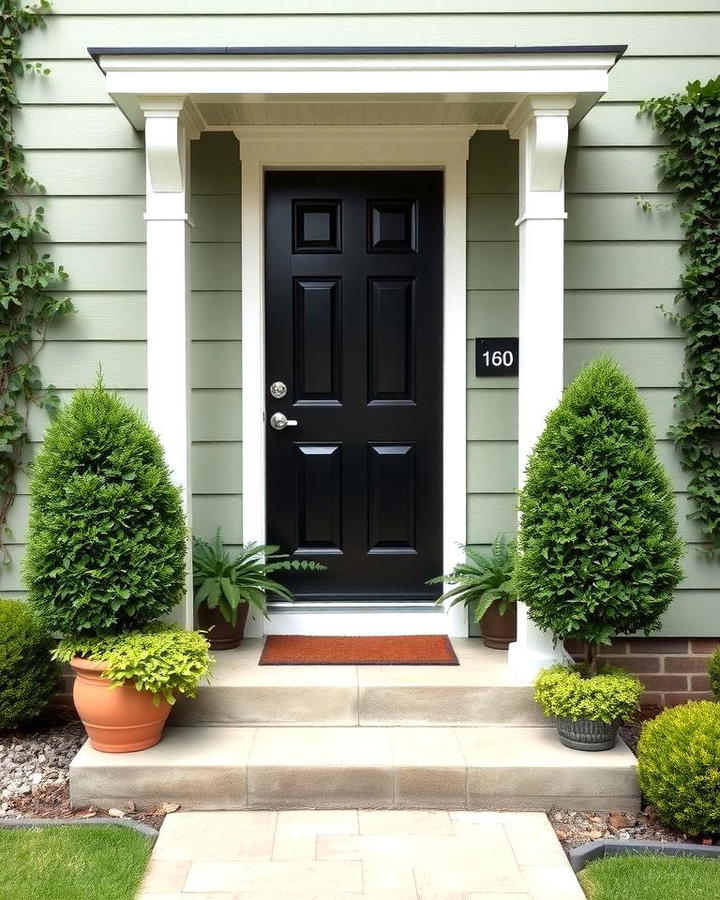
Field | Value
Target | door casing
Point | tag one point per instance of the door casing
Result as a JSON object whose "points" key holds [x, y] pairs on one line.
{"points": [[357, 148]]}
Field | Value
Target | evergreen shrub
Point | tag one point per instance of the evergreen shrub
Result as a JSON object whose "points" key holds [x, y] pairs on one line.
{"points": [[714, 673], [679, 767], [107, 535], [611, 696], [599, 552], [28, 676]]}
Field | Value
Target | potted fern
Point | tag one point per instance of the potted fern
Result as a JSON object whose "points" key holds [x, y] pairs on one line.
{"points": [[486, 581], [226, 586]]}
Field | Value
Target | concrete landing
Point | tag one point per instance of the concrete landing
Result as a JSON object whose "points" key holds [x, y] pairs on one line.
{"points": [[503, 768], [480, 691]]}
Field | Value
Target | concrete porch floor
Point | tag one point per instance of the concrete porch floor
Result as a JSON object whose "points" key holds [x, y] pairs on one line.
{"points": [[344, 854]]}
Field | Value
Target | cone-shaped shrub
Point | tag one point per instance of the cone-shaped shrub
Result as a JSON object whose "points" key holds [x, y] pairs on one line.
{"points": [[107, 535], [599, 549]]}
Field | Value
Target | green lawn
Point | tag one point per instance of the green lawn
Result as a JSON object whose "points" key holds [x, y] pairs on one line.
{"points": [[105, 862], [651, 877]]}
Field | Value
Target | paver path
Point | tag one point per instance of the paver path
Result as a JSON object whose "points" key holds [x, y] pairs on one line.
{"points": [[350, 854]]}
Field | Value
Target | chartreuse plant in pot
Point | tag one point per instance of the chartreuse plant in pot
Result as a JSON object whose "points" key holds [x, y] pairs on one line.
{"points": [[485, 582], [226, 586], [106, 558], [598, 548]]}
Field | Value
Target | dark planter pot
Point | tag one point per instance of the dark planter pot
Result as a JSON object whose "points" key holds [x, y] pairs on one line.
{"points": [[498, 632], [221, 634], [586, 734], [584, 854]]}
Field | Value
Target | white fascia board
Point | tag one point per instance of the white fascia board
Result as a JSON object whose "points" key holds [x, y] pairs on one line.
{"points": [[446, 78]]}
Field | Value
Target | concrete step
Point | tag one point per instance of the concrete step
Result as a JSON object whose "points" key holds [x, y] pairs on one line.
{"points": [[480, 691], [358, 767]]}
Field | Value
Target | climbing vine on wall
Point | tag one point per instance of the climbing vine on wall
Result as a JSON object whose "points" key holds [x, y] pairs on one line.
{"points": [[27, 278], [691, 122]]}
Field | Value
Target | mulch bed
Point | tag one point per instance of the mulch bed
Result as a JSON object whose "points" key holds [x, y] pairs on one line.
{"points": [[574, 828]]}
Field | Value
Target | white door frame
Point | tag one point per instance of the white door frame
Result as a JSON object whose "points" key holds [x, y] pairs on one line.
{"points": [[357, 148]]}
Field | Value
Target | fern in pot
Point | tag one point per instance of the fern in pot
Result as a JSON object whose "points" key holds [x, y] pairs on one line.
{"points": [[485, 583], [226, 586]]}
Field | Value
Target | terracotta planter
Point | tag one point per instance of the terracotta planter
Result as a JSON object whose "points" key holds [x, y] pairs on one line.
{"points": [[117, 719], [221, 634], [498, 632]]}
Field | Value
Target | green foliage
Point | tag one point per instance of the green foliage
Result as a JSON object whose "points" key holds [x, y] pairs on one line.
{"points": [[107, 536], [483, 578], [650, 876], [610, 696], [679, 767], [226, 582], [714, 673], [26, 305], [162, 659], [28, 676], [598, 545], [692, 163]]}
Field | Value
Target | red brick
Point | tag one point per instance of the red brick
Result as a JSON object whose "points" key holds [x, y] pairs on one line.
{"points": [[705, 645], [665, 682], [675, 699], [700, 683], [658, 645], [634, 663], [650, 698], [686, 664]]}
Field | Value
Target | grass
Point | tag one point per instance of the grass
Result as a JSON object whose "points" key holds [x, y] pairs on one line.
{"points": [[651, 877], [104, 862]]}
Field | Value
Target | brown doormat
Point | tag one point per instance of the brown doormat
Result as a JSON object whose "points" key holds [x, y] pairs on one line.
{"points": [[405, 650]]}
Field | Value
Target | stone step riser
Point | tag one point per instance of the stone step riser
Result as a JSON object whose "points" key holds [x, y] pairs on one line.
{"points": [[462, 705]]}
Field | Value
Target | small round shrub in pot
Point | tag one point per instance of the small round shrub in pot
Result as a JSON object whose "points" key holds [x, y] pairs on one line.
{"points": [[598, 547], [145, 670], [679, 767], [28, 676], [587, 710], [107, 534]]}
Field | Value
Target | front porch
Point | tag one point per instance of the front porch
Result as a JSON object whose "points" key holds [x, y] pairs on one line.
{"points": [[358, 108], [358, 737]]}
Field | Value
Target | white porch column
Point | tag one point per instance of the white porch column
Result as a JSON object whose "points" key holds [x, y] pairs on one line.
{"points": [[541, 126], [168, 288]]}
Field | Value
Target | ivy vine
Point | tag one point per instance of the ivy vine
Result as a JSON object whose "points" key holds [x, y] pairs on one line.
{"points": [[691, 122], [27, 279]]}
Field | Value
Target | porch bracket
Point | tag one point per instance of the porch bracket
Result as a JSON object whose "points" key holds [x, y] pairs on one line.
{"points": [[540, 124], [168, 131]]}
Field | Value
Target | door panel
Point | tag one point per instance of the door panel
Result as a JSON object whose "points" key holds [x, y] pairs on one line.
{"points": [[354, 331]]}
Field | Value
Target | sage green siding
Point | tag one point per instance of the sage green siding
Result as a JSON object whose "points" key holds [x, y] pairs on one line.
{"points": [[622, 263]]}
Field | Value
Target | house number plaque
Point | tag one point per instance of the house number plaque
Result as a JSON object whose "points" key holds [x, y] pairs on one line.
{"points": [[496, 356]]}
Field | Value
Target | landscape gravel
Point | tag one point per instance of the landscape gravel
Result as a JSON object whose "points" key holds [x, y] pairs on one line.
{"points": [[33, 763]]}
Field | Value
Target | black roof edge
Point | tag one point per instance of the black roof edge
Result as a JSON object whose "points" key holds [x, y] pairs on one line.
{"points": [[96, 52]]}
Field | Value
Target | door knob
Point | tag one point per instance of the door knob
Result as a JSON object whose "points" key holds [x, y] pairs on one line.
{"points": [[279, 421]]}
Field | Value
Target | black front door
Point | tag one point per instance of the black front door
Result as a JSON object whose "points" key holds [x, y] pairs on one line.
{"points": [[353, 264]]}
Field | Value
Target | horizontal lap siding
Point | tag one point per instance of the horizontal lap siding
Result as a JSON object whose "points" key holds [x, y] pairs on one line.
{"points": [[622, 263]]}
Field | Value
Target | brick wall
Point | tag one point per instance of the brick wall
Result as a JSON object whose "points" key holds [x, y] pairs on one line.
{"points": [[673, 670]]}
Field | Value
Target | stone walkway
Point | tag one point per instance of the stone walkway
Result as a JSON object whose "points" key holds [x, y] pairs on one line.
{"points": [[350, 854]]}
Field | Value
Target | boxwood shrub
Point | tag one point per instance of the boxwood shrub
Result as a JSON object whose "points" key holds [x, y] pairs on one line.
{"points": [[107, 534], [679, 767], [599, 552], [714, 672], [28, 675]]}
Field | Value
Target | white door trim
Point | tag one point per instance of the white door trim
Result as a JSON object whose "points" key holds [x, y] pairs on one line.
{"points": [[351, 147]]}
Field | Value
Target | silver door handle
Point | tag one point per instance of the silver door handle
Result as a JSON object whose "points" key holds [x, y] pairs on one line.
{"points": [[278, 421]]}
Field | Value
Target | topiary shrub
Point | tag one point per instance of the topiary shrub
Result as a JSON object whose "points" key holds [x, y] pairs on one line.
{"points": [[599, 552], [28, 676], [107, 535], [611, 696], [679, 766], [714, 673], [162, 659]]}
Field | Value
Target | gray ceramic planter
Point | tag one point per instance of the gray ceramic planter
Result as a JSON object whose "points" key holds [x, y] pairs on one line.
{"points": [[586, 853], [586, 734]]}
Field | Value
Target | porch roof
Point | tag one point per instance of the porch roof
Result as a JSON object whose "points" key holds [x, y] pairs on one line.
{"points": [[227, 87]]}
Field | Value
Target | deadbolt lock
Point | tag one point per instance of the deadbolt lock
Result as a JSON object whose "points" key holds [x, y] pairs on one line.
{"points": [[278, 390]]}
